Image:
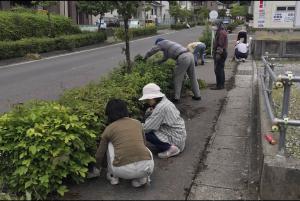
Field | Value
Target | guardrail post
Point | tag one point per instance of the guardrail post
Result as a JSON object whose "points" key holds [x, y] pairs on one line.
{"points": [[270, 88], [265, 68], [284, 115]]}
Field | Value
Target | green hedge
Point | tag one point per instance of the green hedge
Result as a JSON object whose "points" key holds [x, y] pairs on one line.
{"points": [[43, 143], [178, 26], [206, 38], [11, 49], [135, 32], [18, 25]]}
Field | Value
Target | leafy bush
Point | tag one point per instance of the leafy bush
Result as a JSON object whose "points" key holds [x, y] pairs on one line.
{"points": [[192, 24], [178, 26], [41, 144], [206, 38], [232, 26], [135, 32], [11, 49], [89, 102], [15, 25]]}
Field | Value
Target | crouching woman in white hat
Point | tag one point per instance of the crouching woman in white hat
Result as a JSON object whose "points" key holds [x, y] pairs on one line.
{"points": [[164, 128]]}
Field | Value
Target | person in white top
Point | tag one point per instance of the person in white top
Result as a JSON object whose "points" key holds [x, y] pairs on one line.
{"points": [[241, 50]]}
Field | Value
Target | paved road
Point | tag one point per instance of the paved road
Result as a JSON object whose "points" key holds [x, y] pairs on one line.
{"points": [[46, 78]]}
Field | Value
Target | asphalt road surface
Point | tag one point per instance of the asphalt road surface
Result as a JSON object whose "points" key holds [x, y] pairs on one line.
{"points": [[47, 78]]}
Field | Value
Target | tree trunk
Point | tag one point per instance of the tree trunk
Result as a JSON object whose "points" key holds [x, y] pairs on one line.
{"points": [[127, 50], [101, 16], [50, 25]]}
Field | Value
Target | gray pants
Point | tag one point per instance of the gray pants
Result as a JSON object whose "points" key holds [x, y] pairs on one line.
{"points": [[185, 64]]}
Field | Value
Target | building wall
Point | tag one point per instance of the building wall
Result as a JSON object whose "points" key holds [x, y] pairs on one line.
{"points": [[269, 16], [297, 15]]}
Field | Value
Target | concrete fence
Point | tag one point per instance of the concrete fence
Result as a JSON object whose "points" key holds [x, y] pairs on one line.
{"points": [[282, 49]]}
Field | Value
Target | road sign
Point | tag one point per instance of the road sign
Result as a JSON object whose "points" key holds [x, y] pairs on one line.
{"points": [[213, 15]]}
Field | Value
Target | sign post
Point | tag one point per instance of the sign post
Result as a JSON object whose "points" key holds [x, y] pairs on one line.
{"points": [[213, 15]]}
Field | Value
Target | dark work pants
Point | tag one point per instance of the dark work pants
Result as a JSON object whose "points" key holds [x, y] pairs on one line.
{"points": [[219, 69], [159, 145], [240, 55]]}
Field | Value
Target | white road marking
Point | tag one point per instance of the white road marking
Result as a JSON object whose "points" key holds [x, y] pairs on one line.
{"points": [[78, 52]]}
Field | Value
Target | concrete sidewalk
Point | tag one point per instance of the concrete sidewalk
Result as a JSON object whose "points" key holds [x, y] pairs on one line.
{"points": [[226, 171]]}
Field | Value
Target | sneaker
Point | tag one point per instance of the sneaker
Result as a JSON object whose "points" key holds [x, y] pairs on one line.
{"points": [[139, 182], [95, 173], [202, 63], [172, 151], [243, 60], [113, 180]]}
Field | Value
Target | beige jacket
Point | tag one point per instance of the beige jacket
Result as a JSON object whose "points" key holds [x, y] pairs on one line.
{"points": [[191, 47]]}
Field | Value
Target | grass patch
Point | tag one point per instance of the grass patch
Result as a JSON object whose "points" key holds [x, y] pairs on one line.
{"points": [[293, 133]]}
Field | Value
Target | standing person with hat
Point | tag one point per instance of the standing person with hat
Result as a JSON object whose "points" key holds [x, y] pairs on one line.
{"points": [[220, 54], [184, 64], [164, 127]]}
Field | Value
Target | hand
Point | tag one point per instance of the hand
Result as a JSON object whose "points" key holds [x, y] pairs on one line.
{"points": [[148, 112]]}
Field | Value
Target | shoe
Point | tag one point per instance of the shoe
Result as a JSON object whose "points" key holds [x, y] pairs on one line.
{"points": [[95, 173], [217, 88], [139, 182], [172, 151], [202, 63], [174, 100], [113, 180], [243, 60], [196, 98]]}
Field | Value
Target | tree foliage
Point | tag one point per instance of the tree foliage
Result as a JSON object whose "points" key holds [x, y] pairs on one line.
{"points": [[238, 10], [201, 13], [95, 7], [46, 5], [222, 13]]}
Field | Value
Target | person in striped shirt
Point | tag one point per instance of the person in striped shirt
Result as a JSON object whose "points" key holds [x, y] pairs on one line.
{"points": [[164, 127]]}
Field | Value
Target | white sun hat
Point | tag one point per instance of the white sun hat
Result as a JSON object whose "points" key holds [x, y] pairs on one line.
{"points": [[151, 91]]}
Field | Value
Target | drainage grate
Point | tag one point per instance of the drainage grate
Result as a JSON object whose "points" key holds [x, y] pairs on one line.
{"points": [[244, 72]]}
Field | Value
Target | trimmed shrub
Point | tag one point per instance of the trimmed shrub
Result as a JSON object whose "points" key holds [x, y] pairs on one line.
{"points": [[44, 143], [41, 144], [135, 32], [11, 49], [206, 38], [25, 24], [89, 101], [178, 26], [232, 26]]}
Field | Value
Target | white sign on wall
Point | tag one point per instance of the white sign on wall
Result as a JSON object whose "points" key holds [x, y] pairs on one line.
{"points": [[283, 16], [297, 15]]}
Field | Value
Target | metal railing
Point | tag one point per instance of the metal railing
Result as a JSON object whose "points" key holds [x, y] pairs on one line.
{"points": [[268, 80]]}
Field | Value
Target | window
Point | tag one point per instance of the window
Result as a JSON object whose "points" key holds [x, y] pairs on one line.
{"points": [[291, 8], [281, 8]]}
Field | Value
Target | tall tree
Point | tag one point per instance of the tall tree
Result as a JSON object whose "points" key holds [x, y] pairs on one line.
{"points": [[238, 10], [126, 9], [175, 10], [46, 5], [95, 8]]}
